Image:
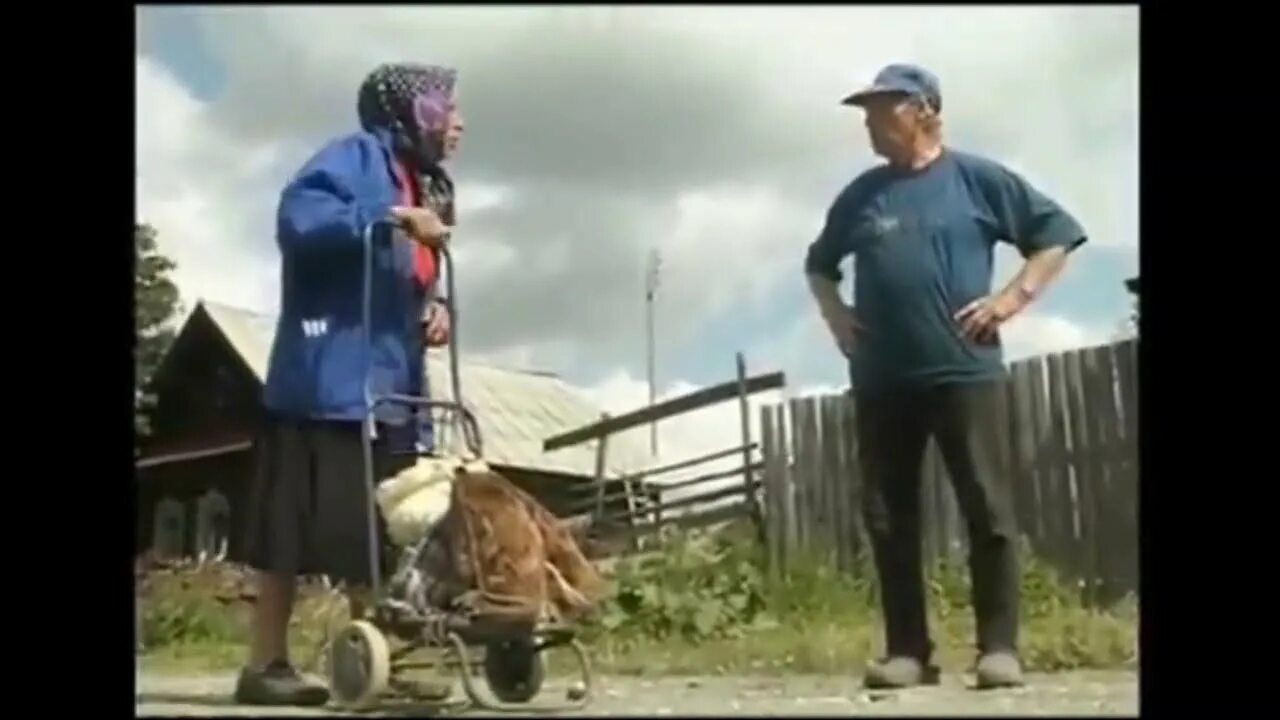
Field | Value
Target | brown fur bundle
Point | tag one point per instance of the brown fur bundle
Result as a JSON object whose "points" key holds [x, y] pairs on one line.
{"points": [[507, 555]]}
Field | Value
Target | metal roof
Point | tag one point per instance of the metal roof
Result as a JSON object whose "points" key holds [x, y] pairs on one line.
{"points": [[516, 409]]}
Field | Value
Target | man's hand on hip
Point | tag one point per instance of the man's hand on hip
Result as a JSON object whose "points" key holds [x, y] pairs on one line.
{"points": [[843, 323], [841, 319], [981, 319]]}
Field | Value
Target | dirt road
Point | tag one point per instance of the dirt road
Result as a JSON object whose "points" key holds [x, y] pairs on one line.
{"points": [[1082, 693]]}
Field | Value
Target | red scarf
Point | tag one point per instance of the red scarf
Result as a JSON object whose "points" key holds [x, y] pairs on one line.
{"points": [[424, 258]]}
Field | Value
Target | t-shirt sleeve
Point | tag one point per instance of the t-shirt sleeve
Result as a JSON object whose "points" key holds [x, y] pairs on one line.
{"points": [[833, 243], [1026, 217]]}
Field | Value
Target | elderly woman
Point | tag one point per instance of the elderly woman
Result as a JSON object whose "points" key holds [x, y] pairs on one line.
{"points": [[308, 501]]}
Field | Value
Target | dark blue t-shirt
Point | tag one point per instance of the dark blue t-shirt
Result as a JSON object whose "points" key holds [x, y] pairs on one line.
{"points": [[923, 245]]}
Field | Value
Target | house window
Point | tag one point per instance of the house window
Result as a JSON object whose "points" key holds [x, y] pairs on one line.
{"points": [[213, 526], [170, 528]]}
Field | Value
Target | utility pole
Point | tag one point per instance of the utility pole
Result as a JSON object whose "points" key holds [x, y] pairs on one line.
{"points": [[650, 289]]}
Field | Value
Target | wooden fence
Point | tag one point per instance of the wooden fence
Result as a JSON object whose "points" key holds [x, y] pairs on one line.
{"points": [[623, 518], [1071, 429]]}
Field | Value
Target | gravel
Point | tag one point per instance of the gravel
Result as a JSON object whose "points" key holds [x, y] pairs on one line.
{"points": [[1072, 693]]}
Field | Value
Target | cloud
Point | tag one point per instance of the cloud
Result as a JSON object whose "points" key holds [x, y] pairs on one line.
{"points": [[598, 133], [201, 203], [1037, 334]]}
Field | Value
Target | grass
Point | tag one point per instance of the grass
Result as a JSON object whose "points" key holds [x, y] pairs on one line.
{"points": [[704, 606]]}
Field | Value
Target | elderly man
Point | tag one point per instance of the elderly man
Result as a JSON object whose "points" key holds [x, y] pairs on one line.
{"points": [[923, 341]]}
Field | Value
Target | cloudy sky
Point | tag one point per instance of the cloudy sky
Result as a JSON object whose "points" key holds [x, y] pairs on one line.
{"points": [[597, 134]]}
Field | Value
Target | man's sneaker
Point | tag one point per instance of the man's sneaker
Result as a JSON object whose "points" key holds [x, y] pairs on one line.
{"points": [[900, 672], [999, 669], [279, 684]]}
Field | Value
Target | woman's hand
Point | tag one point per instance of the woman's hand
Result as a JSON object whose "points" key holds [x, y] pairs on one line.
{"points": [[422, 224], [435, 326]]}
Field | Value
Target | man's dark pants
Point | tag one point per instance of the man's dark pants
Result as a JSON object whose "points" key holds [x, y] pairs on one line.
{"points": [[893, 430]]}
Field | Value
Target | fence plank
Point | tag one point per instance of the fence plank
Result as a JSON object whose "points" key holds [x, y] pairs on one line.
{"points": [[602, 451], [786, 434], [774, 461], [692, 500], [821, 506], [809, 479], [672, 467], [1126, 354], [802, 437], [1126, 491], [813, 482], [1079, 427], [718, 475], [1042, 469], [1103, 423], [853, 475], [833, 464], [588, 502], [665, 409], [687, 521], [744, 412], [1064, 505]]}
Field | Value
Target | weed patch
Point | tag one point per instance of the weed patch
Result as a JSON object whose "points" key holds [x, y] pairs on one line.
{"points": [[705, 604]]}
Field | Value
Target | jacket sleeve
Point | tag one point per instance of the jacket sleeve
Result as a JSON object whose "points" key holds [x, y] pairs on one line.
{"points": [[323, 206]]}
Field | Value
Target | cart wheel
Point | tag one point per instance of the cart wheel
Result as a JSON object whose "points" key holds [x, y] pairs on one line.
{"points": [[359, 664], [514, 669]]}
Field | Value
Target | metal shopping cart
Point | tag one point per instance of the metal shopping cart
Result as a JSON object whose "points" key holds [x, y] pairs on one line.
{"points": [[363, 666]]}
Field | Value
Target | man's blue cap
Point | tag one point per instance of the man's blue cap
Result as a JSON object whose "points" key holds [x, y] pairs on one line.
{"points": [[901, 79]]}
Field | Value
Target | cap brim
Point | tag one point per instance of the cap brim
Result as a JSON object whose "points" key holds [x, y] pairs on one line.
{"points": [[865, 94]]}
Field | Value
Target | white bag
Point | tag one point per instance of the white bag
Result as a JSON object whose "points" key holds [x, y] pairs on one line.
{"points": [[412, 501]]}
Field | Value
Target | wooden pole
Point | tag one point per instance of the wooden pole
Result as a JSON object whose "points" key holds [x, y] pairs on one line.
{"points": [[745, 413], [602, 448]]}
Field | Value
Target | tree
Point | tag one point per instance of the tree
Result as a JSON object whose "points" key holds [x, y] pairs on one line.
{"points": [[1133, 287], [155, 299]]}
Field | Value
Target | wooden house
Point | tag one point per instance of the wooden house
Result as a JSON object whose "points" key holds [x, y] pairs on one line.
{"points": [[193, 471]]}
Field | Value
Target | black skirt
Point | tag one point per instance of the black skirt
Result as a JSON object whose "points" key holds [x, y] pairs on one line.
{"points": [[307, 510]]}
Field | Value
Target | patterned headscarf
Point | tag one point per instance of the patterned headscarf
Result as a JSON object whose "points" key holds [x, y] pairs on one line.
{"points": [[413, 103]]}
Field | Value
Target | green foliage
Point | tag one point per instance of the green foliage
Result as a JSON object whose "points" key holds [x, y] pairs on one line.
{"points": [[187, 620], [712, 598], [697, 589], [184, 609], [155, 299], [706, 604], [194, 620]]}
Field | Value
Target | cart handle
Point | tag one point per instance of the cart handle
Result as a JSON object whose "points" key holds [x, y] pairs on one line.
{"points": [[470, 426]]}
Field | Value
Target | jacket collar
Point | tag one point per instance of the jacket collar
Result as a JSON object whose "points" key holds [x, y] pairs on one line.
{"points": [[383, 136]]}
